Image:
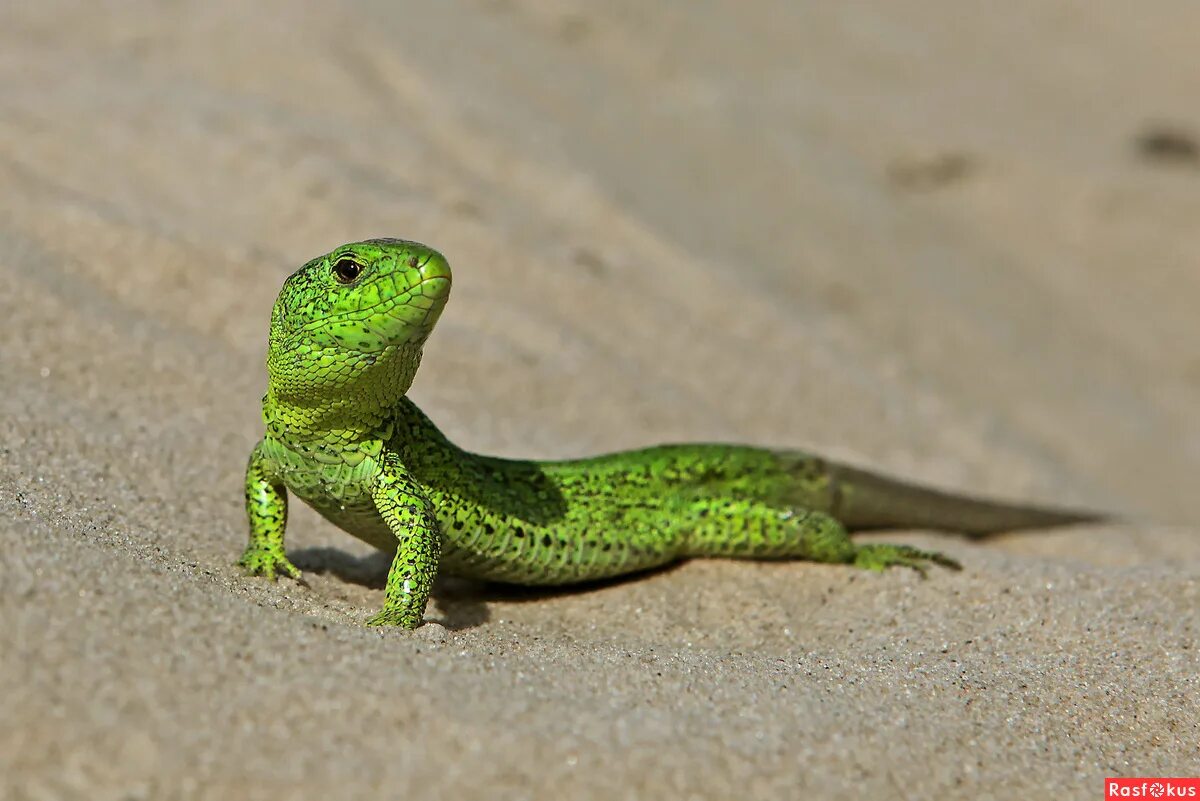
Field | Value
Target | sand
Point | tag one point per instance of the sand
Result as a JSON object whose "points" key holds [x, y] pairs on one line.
{"points": [[954, 242]]}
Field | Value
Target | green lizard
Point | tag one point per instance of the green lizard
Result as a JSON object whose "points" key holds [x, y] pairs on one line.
{"points": [[346, 337]]}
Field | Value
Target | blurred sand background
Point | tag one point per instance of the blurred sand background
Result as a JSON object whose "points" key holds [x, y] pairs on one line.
{"points": [[955, 241]]}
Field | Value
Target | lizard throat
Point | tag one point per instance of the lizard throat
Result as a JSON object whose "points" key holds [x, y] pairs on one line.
{"points": [[355, 409]]}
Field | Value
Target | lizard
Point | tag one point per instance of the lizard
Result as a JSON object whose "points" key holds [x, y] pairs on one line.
{"points": [[346, 337]]}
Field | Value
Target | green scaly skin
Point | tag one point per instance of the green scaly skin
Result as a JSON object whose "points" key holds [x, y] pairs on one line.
{"points": [[346, 338]]}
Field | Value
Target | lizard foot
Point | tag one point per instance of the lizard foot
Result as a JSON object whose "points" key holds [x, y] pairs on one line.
{"points": [[269, 562], [879, 556], [405, 618]]}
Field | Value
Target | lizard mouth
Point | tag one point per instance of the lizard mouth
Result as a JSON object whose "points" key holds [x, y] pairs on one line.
{"points": [[425, 297]]}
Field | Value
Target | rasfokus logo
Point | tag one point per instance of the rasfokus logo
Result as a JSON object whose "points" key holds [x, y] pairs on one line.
{"points": [[1151, 788]]}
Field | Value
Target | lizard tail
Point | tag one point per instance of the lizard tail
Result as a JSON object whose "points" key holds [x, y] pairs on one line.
{"points": [[862, 500]]}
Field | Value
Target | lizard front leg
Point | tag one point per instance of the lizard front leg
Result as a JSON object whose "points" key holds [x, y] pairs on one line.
{"points": [[407, 511], [266, 507]]}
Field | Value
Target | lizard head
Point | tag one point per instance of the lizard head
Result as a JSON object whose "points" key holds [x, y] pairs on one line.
{"points": [[349, 325]]}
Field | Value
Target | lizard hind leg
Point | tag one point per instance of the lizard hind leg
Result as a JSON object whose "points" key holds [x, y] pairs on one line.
{"points": [[747, 529]]}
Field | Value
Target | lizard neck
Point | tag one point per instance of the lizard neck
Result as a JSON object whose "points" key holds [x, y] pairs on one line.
{"points": [[336, 423], [343, 411]]}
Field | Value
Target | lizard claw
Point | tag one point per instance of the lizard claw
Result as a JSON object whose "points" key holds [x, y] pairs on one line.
{"points": [[394, 616], [880, 556], [269, 563]]}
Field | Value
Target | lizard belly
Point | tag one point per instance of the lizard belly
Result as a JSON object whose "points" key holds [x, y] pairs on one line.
{"points": [[360, 519], [351, 511], [338, 490]]}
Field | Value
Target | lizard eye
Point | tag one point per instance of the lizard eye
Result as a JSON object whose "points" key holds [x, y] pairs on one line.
{"points": [[346, 270]]}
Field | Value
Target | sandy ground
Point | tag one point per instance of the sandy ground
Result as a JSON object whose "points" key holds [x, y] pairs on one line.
{"points": [[938, 238]]}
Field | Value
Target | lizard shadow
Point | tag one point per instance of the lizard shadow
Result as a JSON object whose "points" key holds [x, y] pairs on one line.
{"points": [[463, 601], [461, 610]]}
